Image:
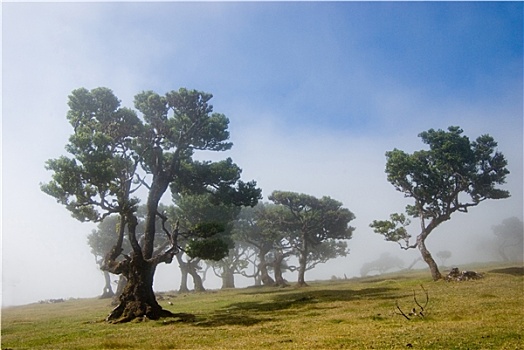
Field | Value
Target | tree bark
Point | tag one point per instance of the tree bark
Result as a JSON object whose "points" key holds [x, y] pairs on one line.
{"points": [[426, 255], [138, 299], [119, 289], [228, 278]]}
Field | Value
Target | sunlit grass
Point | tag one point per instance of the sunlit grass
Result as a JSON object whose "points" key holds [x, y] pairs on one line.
{"points": [[353, 314]]}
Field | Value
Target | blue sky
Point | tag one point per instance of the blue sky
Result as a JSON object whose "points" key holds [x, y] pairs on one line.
{"points": [[316, 94]]}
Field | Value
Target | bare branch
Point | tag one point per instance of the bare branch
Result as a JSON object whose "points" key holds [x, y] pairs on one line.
{"points": [[167, 256], [143, 182], [401, 312], [414, 311], [422, 308]]}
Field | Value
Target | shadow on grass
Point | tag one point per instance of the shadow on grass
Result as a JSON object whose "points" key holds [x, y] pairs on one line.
{"points": [[227, 318], [515, 271], [255, 312]]}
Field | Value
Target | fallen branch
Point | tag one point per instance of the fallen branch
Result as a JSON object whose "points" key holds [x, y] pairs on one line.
{"points": [[414, 312]]}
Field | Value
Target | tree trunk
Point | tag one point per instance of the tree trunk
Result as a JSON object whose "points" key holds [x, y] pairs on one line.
{"points": [[119, 289], [184, 272], [302, 261], [433, 267], [108, 291], [262, 268], [198, 283], [228, 278], [277, 270], [159, 186], [138, 299], [183, 280]]}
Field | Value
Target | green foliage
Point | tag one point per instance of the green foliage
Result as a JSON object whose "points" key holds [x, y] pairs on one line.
{"points": [[315, 219], [259, 225], [105, 236], [314, 229], [210, 248], [439, 178], [206, 225], [453, 165], [394, 229], [96, 180]]}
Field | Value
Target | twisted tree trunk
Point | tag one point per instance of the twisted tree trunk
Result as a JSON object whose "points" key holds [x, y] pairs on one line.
{"points": [[198, 282], [426, 255], [277, 269], [262, 268], [138, 299]]}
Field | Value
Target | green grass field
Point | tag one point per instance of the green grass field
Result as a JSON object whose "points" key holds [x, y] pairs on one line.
{"points": [[340, 314]]}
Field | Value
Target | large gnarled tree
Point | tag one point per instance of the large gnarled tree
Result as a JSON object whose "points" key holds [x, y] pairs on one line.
{"points": [[114, 151], [451, 176]]}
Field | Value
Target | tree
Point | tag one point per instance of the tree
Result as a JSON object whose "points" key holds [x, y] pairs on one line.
{"points": [[453, 175], [384, 263], [192, 210], [510, 239], [114, 152], [310, 222], [101, 241], [257, 227], [443, 255], [232, 264]]}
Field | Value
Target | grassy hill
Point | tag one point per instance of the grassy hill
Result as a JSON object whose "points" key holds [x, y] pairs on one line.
{"points": [[341, 314]]}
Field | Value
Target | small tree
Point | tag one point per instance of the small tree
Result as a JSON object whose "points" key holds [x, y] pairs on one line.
{"points": [[453, 175]]}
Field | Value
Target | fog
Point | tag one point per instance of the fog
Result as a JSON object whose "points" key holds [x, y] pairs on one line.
{"points": [[319, 126]]}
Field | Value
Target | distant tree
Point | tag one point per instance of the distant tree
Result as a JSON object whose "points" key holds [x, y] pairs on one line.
{"points": [[229, 266], [311, 222], [440, 180], [510, 239], [443, 255], [101, 241], [252, 228], [192, 210], [114, 151], [190, 267], [381, 265]]}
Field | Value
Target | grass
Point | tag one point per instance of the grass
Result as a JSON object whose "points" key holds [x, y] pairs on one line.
{"points": [[352, 314]]}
